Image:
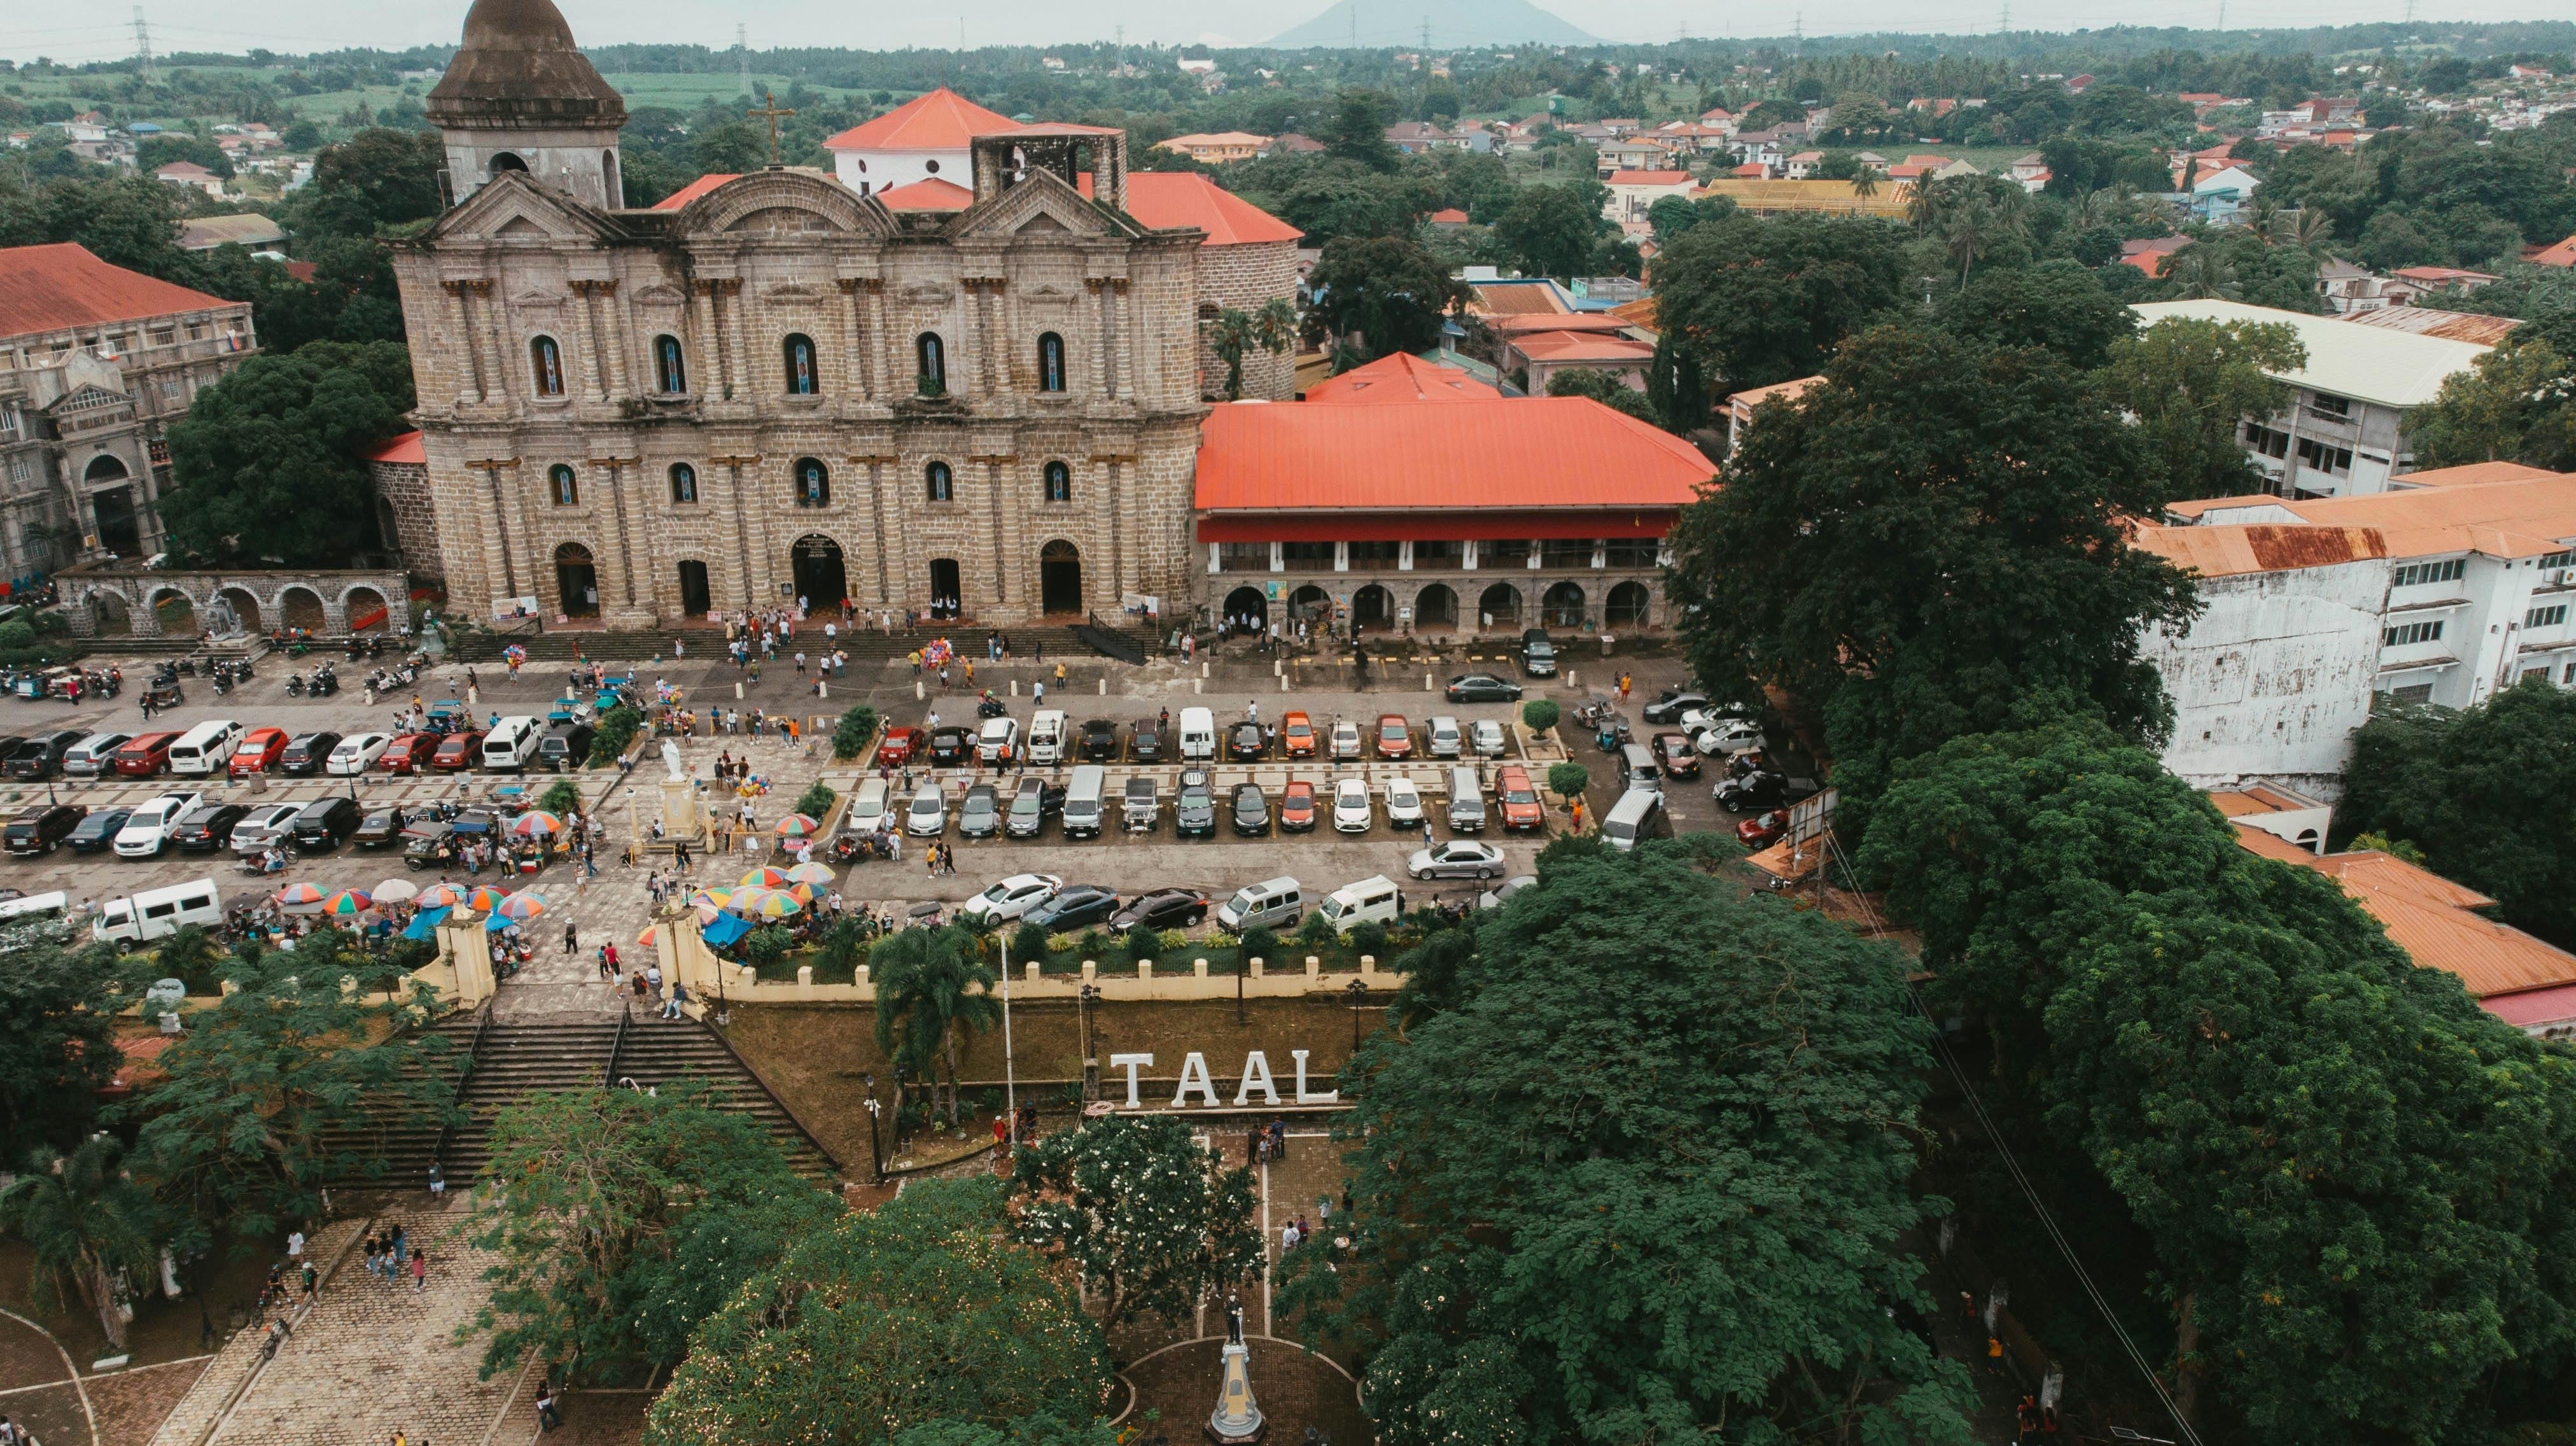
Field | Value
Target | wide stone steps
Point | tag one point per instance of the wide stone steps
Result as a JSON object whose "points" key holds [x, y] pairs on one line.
{"points": [[861, 643]]}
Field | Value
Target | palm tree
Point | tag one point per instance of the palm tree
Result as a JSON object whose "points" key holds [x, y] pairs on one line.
{"points": [[2266, 220], [2311, 228], [89, 1225], [1234, 334], [1864, 184], [933, 995], [2204, 273]]}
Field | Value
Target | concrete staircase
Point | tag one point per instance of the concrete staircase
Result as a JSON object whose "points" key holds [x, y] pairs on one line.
{"points": [[863, 643], [658, 1053]]}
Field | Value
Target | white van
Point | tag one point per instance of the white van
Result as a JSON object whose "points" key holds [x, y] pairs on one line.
{"points": [[511, 743], [206, 748], [998, 734], [868, 806], [1466, 800], [1637, 770], [1633, 818], [1046, 736], [1271, 904], [1198, 735], [1085, 800], [158, 913], [34, 906], [1371, 900]]}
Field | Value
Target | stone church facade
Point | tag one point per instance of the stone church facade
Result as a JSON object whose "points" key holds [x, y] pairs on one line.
{"points": [[783, 389]]}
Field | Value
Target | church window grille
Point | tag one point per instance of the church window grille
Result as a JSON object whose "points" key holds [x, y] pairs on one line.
{"points": [[684, 483], [813, 483], [670, 367], [801, 378], [545, 359], [565, 484], [943, 483], [930, 357], [1059, 482], [1050, 363]]}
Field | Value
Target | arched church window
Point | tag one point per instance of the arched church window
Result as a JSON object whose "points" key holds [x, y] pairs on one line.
{"points": [[507, 161], [684, 482], [1059, 482], [545, 361], [564, 484], [930, 359], [1050, 363], [943, 483], [813, 483], [801, 380], [670, 368]]}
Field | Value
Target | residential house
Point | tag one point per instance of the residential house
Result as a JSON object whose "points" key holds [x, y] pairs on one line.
{"points": [[2030, 167], [2418, 282], [2527, 72], [2562, 254], [205, 233], [2343, 433], [1297, 145], [1416, 138], [1765, 148], [1449, 218], [1751, 171], [1635, 153], [1802, 165], [2321, 111], [2221, 197], [1741, 406], [1634, 193], [2351, 289], [188, 175], [2150, 254], [1218, 148]]}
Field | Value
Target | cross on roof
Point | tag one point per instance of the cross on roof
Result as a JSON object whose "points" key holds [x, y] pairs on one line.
{"points": [[773, 113]]}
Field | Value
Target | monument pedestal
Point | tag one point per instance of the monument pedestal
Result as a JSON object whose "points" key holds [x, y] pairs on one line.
{"points": [[684, 813], [1237, 1418]]}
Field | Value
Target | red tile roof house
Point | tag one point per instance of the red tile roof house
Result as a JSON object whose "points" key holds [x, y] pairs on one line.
{"points": [[1443, 515]]}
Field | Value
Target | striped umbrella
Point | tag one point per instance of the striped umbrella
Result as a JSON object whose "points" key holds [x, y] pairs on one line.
{"points": [[746, 901], [348, 901], [818, 875], [774, 904], [763, 878], [797, 825], [801, 892], [395, 891], [708, 913], [711, 898], [485, 898], [523, 905], [534, 822], [300, 899], [441, 895], [645, 939]]}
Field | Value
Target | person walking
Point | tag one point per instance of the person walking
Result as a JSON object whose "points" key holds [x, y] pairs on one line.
{"points": [[547, 1417], [420, 1272], [572, 938], [437, 1182], [400, 1245]]}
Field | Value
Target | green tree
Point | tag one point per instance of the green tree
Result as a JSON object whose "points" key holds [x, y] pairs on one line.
{"points": [[2517, 403], [125, 220], [850, 736], [1766, 299], [2481, 791], [2203, 272], [1539, 715], [273, 1090], [267, 459], [2056, 304], [628, 1219], [2013, 485], [918, 1313], [2189, 384], [89, 1229], [1150, 1219], [372, 181], [1386, 291], [933, 994], [1235, 333], [2346, 1168], [171, 148], [1555, 229], [58, 1009], [1568, 779], [1553, 1264], [1610, 389], [1356, 128], [1676, 389]]}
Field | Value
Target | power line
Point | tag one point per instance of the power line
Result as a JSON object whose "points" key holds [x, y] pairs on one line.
{"points": [[142, 47]]}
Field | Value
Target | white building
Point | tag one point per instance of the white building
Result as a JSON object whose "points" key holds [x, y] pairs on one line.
{"points": [[926, 138], [1634, 193], [2343, 433]]}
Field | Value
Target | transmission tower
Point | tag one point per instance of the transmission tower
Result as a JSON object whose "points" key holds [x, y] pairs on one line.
{"points": [[2003, 25], [742, 56], [143, 61]]}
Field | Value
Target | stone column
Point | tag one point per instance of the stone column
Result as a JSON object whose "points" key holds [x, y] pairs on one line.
{"points": [[469, 365], [1102, 345], [890, 375], [710, 359], [738, 365], [614, 333], [616, 494], [741, 524], [997, 323], [877, 516], [1006, 539], [853, 337], [496, 377], [1121, 366], [592, 387], [497, 565]]}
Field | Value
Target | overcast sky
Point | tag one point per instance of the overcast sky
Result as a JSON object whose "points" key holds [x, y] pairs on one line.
{"points": [[92, 33]]}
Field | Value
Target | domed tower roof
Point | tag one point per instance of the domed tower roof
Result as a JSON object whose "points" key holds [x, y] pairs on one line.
{"points": [[520, 68]]}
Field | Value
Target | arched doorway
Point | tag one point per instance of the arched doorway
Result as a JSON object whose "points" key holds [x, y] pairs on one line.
{"points": [[1060, 578], [696, 598], [366, 610], [1436, 606], [821, 580], [947, 595], [1562, 607], [1373, 607], [300, 607], [1247, 607], [120, 530], [108, 617], [244, 610], [1500, 606], [1626, 606], [1309, 604], [576, 582], [175, 613]]}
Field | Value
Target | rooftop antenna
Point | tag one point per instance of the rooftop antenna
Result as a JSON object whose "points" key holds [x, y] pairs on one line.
{"points": [[143, 47], [742, 57]]}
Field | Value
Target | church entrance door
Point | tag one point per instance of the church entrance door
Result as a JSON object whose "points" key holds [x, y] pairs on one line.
{"points": [[820, 578], [696, 598], [576, 582], [1060, 579], [946, 590]]}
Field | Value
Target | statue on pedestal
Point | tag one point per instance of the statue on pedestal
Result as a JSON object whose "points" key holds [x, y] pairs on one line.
{"points": [[1237, 1418]]}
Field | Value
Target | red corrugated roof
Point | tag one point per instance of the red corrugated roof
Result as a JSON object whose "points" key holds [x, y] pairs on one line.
{"points": [[405, 448], [940, 121], [692, 191], [1186, 200], [1567, 346], [1401, 377], [1455, 525], [1551, 452], [933, 194], [63, 287]]}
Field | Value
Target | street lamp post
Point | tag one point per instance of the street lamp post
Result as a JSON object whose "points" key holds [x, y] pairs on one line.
{"points": [[1084, 999], [876, 1150], [1359, 999], [1010, 1084]]}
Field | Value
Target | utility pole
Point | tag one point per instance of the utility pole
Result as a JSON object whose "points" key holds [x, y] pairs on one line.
{"points": [[742, 57], [143, 63]]}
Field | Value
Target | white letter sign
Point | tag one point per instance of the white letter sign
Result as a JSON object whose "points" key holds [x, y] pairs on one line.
{"points": [[1128, 1062], [1256, 1072], [1194, 1072], [1303, 1098]]}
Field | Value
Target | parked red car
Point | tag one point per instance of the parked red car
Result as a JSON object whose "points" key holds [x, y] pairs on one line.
{"points": [[148, 754], [1522, 810], [1297, 808], [1763, 830], [458, 751], [898, 746], [408, 753], [1394, 736], [258, 753]]}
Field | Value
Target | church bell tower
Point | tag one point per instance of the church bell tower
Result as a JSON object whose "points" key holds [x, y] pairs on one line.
{"points": [[520, 96]]}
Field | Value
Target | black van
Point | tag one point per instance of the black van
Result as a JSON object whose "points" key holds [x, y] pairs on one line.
{"points": [[1538, 653], [566, 745], [40, 828], [324, 823]]}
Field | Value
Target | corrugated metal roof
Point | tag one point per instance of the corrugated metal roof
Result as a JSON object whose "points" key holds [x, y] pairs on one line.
{"points": [[2230, 551], [1551, 452], [63, 287], [2431, 918], [1519, 298], [2433, 321], [1401, 377], [2469, 475], [943, 120], [1571, 346], [2366, 363], [2522, 518]]}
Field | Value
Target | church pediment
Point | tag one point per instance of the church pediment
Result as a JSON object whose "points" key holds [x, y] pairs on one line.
{"points": [[514, 208], [1040, 207], [88, 398], [660, 295], [781, 202], [1043, 294], [790, 292]]}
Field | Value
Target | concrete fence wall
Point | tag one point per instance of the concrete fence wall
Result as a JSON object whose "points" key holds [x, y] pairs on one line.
{"points": [[130, 601]]}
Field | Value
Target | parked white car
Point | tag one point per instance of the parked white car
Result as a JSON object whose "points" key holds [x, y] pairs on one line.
{"points": [[356, 752], [1403, 804], [1486, 737], [1447, 738], [147, 831], [1457, 859], [997, 734], [1730, 735], [927, 817], [1012, 897], [271, 824], [1351, 811]]}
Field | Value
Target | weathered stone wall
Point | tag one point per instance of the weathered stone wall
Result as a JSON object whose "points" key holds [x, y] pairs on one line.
{"points": [[403, 488], [110, 600], [1245, 278]]}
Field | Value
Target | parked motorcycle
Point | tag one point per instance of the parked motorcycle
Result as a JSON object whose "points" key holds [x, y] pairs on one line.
{"points": [[295, 685]]}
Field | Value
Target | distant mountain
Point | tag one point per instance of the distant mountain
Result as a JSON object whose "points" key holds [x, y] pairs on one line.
{"points": [[1455, 25]]}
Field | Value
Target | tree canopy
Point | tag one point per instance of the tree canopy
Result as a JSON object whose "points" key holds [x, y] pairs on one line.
{"points": [[1381, 295], [2517, 403], [1640, 1173], [2189, 384], [1151, 1218], [1765, 300], [267, 460], [58, 1006]]}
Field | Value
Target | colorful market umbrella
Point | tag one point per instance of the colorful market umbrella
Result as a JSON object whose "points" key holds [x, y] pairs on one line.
{"points": [[746, 900], [708, 913], [396, 891], [441, 895], [534, 822], [763, 878], [300, 898], [711, 898], [819, 875], [645, 939], [485, 899], [802, 893], [797, 825], [348, 901], [773, 904], [523, 905]]}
